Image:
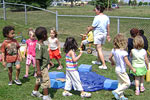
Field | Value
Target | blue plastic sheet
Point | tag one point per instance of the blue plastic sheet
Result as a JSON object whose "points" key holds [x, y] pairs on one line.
{"points": [[92, 81]]}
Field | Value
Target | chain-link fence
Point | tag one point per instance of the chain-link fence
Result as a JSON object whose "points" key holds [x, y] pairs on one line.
{"points": [[69, 25]]}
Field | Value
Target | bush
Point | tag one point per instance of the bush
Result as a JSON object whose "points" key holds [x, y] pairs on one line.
{"points": [[145, 3], [92, 2], [140, 3]]}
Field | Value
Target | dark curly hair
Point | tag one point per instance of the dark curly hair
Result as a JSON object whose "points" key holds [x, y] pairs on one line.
{"points": [[40, 32], [70, 44], [7, 29]]}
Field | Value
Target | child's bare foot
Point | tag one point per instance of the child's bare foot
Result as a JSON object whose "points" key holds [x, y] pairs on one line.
{"points": [[59, 67]]}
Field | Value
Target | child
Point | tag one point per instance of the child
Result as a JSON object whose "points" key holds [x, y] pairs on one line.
{"points": [[72, 75], [120, 55], [42, 61], [145, 39], [54, 48], [88, 40], [30, 48], [11, 54], [139, 62]]}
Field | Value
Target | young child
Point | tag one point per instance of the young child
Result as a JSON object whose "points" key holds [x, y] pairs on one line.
{"points": [[72, 75], [54, 48], [139, 62], [30, 48], [42, 61], [11, 54], [120, 55], [88, 39]]}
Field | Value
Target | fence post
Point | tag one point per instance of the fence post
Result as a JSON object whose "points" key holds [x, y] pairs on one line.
{"points": [[4, 10], [56, 21], [118, 25], [25, 6]]}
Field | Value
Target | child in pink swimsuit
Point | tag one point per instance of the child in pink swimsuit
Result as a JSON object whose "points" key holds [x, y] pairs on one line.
{"points": [[30, 48]]}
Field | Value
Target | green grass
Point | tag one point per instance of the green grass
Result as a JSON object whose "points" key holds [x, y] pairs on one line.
{"points": [[73, 26], [22, 92], [70, 26]]}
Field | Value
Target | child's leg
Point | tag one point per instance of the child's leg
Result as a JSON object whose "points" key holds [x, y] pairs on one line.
{"points": [[60, 66], [137, 80], [142, 89], [124, 83], [17, 71], [10, 73], [27, 70]]}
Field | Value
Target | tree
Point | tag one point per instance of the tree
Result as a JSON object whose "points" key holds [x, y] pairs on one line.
{"points": [[37, 3]]}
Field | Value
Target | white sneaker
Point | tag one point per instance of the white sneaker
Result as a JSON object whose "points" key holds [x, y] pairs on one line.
{"points": [[37, 94], [85, 95], [102, 67], [66, 93], [47, 98], [96, 62]]}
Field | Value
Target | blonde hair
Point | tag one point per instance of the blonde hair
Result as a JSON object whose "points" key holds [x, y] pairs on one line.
{"points": [[138, 42], [54, 30], [120, 42], [31, 32]]}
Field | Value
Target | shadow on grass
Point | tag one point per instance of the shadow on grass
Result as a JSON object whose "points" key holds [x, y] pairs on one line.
{"points": [[52, 92]]}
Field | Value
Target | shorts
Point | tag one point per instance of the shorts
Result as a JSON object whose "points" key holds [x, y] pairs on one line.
{"points": [[13, 63], [85, 42], [30, 59], [44, 81], [54, 54], [99, 39]]}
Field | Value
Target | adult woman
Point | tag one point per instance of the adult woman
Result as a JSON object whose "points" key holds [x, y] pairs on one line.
{"points": [[100, 26]]}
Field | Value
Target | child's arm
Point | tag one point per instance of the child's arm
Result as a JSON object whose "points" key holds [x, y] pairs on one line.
{"points": [[111, 59], [58, 44], [147, 62], [129, 64], [19, 55], [38, 68], [3, 60], [74, 58], [25, 52]]}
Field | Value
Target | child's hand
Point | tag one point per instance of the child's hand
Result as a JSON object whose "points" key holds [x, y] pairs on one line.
{"points": [[39, 73], [81, 51], [134, 70], [108, 38], [4, 63]]}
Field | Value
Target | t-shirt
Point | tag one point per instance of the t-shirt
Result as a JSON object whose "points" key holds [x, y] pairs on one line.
{"points": [[119, 58], [10, 49], [100, 24], [138, 57], [90, 36], [31, 46], [42, 55], [52, 43]]}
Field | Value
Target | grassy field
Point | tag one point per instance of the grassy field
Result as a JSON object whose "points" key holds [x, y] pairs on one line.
{"points": [[70, 26], [22, 92]]}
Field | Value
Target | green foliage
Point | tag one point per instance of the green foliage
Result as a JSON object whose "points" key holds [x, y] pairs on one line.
{"points": [[140, 3], [93, 2], [38, 3], [145, 3]]}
